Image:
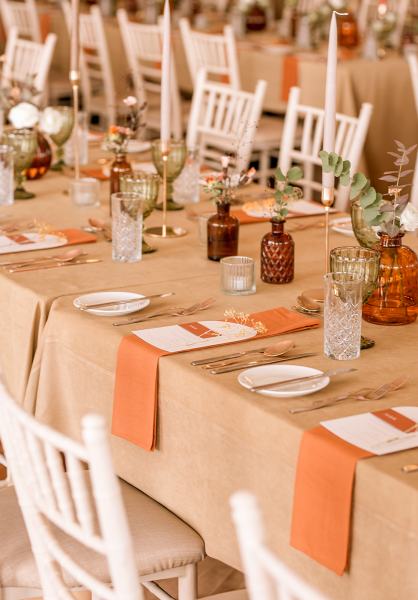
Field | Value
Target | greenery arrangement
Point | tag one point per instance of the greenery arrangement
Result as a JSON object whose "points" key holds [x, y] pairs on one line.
{"points": [[220, 186], [387, 211], [118, 136], [285, 191]]}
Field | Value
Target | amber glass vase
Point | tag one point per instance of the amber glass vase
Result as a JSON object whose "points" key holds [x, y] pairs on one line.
{"points": [[395, 300], [256, 18], [223, 230], [120, 166], [42, 159], [347, 31], [277, 255]]}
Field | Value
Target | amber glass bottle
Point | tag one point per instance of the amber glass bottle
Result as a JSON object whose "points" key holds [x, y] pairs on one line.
{"points": [[277, 255], [223, 230], [120, 166]]}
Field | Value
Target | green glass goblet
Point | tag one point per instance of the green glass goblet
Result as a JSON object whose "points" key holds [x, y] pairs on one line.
{"points": [[62, 135], [176, 158], [147, 186], [362, 262], [24, 143]]}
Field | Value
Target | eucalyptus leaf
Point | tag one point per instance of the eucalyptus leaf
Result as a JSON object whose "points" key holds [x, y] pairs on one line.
{"points": [[368, 197], [406, 173], [402, 161], [411, 149], [345, 180], [395, 155], [371, 213], [324, 156], [400, 145], [280, 175], [389, 178], [294, 174]]}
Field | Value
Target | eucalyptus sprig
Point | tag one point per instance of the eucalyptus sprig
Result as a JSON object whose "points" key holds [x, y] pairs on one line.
{"points": [[286, 190]]}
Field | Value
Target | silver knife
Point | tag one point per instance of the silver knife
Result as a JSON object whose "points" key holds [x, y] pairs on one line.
{"points": [[255, 363], [208, 361], [281, 383], [55, 265]]}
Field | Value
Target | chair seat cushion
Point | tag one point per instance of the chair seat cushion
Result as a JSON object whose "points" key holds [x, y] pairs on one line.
{"points": [[269, 133], [161, 541]]}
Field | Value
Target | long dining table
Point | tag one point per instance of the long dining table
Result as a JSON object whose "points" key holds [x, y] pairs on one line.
{"points": [[213, 437]]}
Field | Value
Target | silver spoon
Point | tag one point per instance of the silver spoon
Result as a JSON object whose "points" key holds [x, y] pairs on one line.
{"points": [[277, 349]]}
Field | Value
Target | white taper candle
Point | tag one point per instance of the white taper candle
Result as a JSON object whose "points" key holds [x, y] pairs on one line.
{"points": [[75, 45], [330, 97], [165, 78]]}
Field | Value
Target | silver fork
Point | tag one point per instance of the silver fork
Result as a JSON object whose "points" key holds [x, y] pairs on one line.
{"points": [[174, 312]]}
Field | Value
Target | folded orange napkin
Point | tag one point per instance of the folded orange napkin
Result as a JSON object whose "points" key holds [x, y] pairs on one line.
{"points": [[290, 75], [245, 219], [77, 236], [95, 172], [136, 385], [321, 521]]}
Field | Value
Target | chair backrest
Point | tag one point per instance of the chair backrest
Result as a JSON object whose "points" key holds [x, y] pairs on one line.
{"points": [[215, 53], [25, 60], [368, 10], [412, 58], [307, 6], [349, 141], [97, 84], [61, 500], [22, 15], [265, 575], [224, 120], [144, 48]]}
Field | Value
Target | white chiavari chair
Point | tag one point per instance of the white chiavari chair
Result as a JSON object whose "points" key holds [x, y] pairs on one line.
{"points": [[217, 54], [267, 578], [412, 58], [224, 120], [368, 10], [97, 84], [306, 6], [143, 48], [25, 60], [87, 528], [22, 15], [302, 141]]}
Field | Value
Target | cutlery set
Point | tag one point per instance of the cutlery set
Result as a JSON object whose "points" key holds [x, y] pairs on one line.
{"points": [[173, 312], [68, 258]]}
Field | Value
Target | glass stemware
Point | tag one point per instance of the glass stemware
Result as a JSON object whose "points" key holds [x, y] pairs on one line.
{"points": [[24, 143], [147, 186], [361, 262], [62, 135], [176, 159]]}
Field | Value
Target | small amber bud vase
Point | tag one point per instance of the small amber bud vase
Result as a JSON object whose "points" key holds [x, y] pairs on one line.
{"points": [[223, 230], [277, 255], [120, 166]]}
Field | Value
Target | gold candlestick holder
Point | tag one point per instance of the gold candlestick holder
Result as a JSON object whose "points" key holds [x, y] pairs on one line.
{"points": [[327, 199], [165, 230], [75, 84]]}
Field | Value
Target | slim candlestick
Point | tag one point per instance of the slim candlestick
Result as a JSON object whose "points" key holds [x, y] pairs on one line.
{"points": [[165, 77], [75, 80]]}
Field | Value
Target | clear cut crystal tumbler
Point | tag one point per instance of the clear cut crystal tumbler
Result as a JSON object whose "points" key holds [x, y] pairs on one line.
{"points": [[342, 315], [126, 227]]}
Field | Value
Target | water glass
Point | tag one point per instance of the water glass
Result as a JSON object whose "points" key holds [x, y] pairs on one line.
{"points": [[82, 140], [6, 175], [85, 191], [186, 186], [238, 275], [126, 227], [342, 315]]}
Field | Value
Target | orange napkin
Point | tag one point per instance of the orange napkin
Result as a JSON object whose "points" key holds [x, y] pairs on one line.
{"points": [[245, 219], [77, 236], [290, 75], [136, 385], [96, 173], [321, 521]]}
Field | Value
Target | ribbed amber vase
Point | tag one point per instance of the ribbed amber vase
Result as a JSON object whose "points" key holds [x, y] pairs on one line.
{"points": [[223, 230], [395, 300], [120, 166], [277, 255]]}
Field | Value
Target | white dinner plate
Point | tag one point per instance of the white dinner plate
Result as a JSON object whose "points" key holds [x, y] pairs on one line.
{"points": [[343, 226], [111, 311], [266, 374]]}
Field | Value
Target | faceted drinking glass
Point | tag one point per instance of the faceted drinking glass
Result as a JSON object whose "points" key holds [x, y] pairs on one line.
{"points": [[24, 143], [147, 186], [126, 227], [6, 175], [362, 262], [342, 315], [175, 163]]}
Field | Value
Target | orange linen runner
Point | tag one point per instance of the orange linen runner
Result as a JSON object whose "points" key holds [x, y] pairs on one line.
{"points": [[136, 385], [290, 75], [321, 520], [77, 236]]}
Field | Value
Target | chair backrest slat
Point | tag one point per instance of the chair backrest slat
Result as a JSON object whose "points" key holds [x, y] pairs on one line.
{"points": [[60, 498], [350, 137], [224, 118], [23, 16], [265, 575]]}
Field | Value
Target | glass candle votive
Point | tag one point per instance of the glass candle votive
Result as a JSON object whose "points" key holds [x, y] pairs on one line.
{"points": [[126, 227], [85, 191], [6, 175], [342, 315], [238, 275]]}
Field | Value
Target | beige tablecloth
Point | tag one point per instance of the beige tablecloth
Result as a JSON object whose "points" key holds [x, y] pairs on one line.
{"points": [[213, 437]]}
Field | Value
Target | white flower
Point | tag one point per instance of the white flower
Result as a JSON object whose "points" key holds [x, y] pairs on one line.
{"points": [[409, 218], [130, 101], [51, 121], [24, 115], [337, 4]]}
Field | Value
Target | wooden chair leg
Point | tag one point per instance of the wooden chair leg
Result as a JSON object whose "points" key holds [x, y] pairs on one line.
{"points": [[188, 584]]}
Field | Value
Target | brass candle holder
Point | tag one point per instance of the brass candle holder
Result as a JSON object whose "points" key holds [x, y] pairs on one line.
{"points": [[327, 199], [75, 84]]}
